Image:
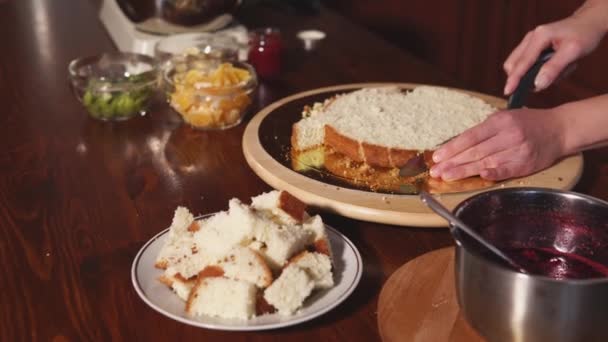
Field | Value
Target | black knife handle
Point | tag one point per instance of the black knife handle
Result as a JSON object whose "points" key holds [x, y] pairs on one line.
{"points": [[526, 84]]}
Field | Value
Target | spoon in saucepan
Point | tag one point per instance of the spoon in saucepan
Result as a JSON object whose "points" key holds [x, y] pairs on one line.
{"points": [[457, 223]]}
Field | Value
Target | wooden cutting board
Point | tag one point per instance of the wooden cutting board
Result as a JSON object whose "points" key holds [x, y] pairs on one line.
{"points": [[266, 143], [418, 302]]}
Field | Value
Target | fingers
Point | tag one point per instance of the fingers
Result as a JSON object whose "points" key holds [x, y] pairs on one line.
{"points": [[516, 53], [496, 141], [488, 147], [569, 70], [513, 80], [508, 167], [469, 138], [539, 40], [498, 166], [553, 68], [496, 174], [470, 169]]}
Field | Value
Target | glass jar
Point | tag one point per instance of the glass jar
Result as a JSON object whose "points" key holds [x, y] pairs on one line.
{"points": [[212, 45], [265, 52]]}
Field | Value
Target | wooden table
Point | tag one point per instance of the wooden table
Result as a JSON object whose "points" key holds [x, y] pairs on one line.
{"points": [[79, 197]]}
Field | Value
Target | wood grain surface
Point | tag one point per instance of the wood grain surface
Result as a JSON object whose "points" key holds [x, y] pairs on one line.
{"points": [[79, 197], [418, 302]]}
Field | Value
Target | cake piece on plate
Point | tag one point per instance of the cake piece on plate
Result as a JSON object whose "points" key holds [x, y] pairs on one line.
{"points": [[317, 265], [178, 284], [226, 229], [223, 265], [320, 240], [222, 297], [281, 206], [288, 291], [278, 243], [243, 263], [179, 240]]}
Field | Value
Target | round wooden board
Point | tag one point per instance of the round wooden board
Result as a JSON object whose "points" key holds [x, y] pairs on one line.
{"points": [[404, 210], [418, 302]]}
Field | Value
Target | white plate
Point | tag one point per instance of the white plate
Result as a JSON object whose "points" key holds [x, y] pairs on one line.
{"points": [[348, 269]]}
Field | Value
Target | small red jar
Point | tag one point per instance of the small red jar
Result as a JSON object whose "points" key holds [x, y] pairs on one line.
{"points": [[265, 52]]}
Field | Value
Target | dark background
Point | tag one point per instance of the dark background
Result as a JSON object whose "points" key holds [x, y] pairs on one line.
{"points": [[470, 39]]}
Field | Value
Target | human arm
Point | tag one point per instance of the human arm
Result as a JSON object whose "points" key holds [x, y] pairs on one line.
{"points": [[571, 38], [519, 142]]}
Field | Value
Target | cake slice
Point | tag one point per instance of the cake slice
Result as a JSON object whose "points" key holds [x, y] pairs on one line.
{"points": [[317, 265], [288, 292], [387, 126], [224, 230], [278, 243], [307, 149], [179, 241], [178, 284], [222, 297], [222, 266], [280, 206], [243, 263], [320, 240], [191, 265], [308, 160]]}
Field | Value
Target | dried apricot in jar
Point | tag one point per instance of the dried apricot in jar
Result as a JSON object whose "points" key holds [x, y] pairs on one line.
{"points": [[212, 99]]}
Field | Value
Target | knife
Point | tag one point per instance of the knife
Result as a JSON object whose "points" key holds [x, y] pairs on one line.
{"points": [[526, 84], [416, 165]]}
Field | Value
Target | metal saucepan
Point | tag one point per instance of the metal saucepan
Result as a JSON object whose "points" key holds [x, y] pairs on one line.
{"points": [[505, 305], [179, 12]]}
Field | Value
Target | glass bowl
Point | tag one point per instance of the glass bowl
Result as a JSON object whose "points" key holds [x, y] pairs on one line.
{"points": [[212, 45], [209, 93], [114, 86]]}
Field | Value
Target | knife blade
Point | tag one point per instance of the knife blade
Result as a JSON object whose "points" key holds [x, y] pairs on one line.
{"points": [[413, 167]]}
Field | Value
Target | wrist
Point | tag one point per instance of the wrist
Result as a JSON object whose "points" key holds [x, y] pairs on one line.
{"points": [[566, 138], [596, 13]]}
